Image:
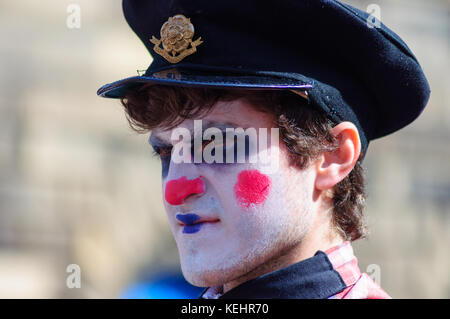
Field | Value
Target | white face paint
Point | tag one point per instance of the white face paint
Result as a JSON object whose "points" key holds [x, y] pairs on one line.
{"points": [[251, 215]]}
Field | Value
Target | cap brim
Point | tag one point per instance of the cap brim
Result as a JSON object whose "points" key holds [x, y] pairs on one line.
{"points": [[207, 79]]}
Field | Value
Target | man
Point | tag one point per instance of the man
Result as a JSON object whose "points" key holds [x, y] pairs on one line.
{"points": [[268, 220]]}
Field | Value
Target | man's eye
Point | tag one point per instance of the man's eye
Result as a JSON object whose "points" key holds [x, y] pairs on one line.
{"points": [[202, 146]]}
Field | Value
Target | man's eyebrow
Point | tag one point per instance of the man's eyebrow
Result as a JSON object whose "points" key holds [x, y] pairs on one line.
{"points": [[155, 140], [219, 124]]}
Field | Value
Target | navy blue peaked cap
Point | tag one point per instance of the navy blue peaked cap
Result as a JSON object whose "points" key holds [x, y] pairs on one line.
{"points": [[353, 72]]}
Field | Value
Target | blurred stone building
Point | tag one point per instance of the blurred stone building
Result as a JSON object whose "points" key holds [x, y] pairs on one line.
{"points": [[77, 186]]}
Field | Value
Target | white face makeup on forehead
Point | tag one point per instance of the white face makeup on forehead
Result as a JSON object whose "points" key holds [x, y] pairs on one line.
{"points": [[230, 219]]}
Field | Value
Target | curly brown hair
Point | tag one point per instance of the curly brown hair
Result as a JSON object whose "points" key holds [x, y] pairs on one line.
{"points": [[303, 128]]}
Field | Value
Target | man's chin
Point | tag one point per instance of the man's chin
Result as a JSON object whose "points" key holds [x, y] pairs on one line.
{"points": [[208, 277]]}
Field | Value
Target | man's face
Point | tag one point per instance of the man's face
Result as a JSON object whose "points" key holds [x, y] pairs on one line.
{"points": [[229, 219]]}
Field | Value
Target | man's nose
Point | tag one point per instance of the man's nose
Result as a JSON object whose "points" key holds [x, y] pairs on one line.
{"points": [[177, 190]]}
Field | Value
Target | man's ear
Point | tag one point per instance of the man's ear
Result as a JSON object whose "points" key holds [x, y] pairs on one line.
{"points": [[333, 167]]}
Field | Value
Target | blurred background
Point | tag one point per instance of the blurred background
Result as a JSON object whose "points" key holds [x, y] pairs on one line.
{"points": [[77, 186]]}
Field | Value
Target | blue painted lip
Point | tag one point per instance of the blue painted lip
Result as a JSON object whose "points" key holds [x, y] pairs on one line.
{"points": [[191, 229], [189, 220]]}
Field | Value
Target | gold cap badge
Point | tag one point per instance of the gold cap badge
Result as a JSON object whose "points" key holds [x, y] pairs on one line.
{"points": [[176, 37]]}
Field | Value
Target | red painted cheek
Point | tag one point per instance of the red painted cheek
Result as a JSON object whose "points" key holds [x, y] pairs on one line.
{"points": [[251, 188]]}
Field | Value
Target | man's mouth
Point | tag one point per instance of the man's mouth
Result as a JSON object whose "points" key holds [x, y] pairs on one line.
{"points": [[192, 223]]}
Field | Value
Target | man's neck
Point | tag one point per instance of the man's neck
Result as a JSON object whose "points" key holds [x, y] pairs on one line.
{"points": [[303, 250]]}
